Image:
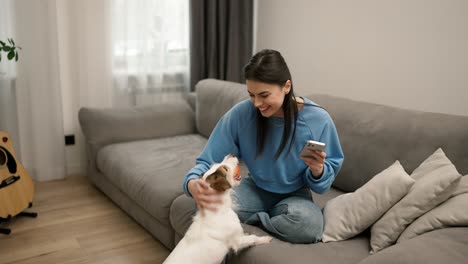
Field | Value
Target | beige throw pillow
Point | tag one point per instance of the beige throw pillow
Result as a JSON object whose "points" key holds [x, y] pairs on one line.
{"points": [[462, 187], [349, 214], [453, 212], [436, 178]]}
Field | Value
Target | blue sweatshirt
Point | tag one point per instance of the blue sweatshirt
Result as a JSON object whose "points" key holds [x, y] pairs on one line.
{"points": [[236, 133]]}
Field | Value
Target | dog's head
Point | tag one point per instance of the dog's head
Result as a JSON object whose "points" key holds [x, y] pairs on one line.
{"points": [[224, 175]]}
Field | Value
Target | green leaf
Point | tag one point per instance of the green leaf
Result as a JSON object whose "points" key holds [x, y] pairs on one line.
{"points": [[10, 41], [0, 56], [11, 55], [2, 43], [13, 42], [6, 48], [16, 58]]}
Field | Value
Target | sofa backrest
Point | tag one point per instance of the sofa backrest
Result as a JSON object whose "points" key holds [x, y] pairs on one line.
{"points": [[213, 99], [374, 136]]}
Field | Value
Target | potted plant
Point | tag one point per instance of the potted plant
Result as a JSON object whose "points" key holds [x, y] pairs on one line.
{"points": [[10, 49]]}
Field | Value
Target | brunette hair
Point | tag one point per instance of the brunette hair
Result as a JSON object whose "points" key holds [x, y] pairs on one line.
{"points": [[268, 66]]}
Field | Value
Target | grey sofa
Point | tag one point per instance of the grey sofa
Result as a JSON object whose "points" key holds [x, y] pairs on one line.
{"points": [[138, 157]]}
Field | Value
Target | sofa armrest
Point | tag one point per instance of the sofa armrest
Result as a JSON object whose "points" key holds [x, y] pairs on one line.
{"points": [[106, 126]]}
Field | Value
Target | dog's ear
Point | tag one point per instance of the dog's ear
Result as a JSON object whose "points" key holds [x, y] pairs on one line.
{"points": [[218, 180]]}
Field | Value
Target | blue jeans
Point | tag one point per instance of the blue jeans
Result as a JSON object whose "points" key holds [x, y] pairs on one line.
{"points": [[292, 217]]}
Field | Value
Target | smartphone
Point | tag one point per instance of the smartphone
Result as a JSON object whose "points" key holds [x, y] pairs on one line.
{"points": [[312, 145]]}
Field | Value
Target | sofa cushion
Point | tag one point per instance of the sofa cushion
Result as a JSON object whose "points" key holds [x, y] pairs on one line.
{"points": [[151, 172], [183, 208], [279, 252], [448, 245], [322, 199], [349, 251], [374, 136], [104, 126], [214, 98], [182, 211]]}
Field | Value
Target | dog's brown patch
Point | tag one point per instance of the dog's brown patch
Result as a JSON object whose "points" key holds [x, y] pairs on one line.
{"points": [[218, 180]]}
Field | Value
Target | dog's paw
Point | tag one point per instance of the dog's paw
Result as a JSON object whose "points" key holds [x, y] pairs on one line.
{"points": [[263, 240]]}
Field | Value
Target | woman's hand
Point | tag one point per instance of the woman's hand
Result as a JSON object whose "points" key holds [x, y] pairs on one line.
{"points": [[315, 164], [205, 197]]}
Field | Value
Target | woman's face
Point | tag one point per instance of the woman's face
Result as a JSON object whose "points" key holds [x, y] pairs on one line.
{"points": [[268, 98]]}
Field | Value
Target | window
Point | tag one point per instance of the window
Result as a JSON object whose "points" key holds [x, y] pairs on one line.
{"points": [[150, 41]]}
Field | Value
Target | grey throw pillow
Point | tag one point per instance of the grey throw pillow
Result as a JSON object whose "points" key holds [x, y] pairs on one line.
{"points": [[453, 212], [349, 214], [436, 178]]}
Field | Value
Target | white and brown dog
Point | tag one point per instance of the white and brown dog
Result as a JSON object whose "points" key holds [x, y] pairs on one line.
{"points": [[214, 233]]}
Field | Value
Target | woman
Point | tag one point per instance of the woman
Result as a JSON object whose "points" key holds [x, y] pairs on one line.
{"points": [[267, 133]]}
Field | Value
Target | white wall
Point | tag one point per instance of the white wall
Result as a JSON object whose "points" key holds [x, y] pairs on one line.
{"points": [[406, 53]]}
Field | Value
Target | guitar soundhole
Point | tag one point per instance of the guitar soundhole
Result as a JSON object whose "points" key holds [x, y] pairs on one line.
{"points": [[3, 158], [9, 160]]}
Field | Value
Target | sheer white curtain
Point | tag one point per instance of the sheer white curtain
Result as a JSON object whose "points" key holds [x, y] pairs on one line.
{"points": [[95, 53], [150, 50], [38, 95], [126, 53], [8, 113], [120, 53]]}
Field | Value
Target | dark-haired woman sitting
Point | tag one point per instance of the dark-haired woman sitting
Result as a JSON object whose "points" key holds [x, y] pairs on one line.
{"points": [[267, 133]]}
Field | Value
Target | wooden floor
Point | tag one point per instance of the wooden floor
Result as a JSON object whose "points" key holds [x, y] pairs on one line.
{"points": [[77, 224]]}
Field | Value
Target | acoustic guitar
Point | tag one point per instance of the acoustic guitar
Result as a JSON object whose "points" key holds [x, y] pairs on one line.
{"points": [[16, 186]]}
